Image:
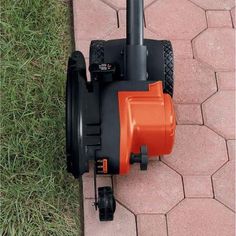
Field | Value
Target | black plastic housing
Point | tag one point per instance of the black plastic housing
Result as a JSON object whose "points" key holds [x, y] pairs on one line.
{"points": [[109, 107]]}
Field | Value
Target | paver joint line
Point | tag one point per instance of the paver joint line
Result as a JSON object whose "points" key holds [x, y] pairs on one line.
{"points": [[224, 205], [197, 5]]}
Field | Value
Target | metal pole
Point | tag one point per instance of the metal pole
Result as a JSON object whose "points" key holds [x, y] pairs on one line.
{"points": [[134, 22], [136, 52]]}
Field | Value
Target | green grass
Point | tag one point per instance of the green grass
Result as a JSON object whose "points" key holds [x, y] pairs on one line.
{"points": [[37, 196]]}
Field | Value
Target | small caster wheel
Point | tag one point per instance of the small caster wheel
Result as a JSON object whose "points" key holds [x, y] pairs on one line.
{"points": [[106, 203]]}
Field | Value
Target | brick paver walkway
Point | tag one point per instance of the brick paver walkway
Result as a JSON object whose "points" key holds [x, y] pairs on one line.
{"points": [[190, 192]]}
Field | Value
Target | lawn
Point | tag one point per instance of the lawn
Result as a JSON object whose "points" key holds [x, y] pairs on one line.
{"points": [[38, 197]]}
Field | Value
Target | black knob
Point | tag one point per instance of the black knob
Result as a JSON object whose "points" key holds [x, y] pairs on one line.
{"points": [[144, 157], [141, 158]]}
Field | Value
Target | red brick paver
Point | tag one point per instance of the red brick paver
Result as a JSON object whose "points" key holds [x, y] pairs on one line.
{"points": [[231, 144], [124, 224], [224, 184], [200, 217], [88, 188], [233, 15], [219, 19], [191, 191], [188, 114], [182, 49], [218, 113], [197, 151], [226, 80], [90, 15], [121, 4], [198, 186], [151, 225], [138, 188], [175, 19], [215, 46], [120, 32], [194, 81], [215, 4]]}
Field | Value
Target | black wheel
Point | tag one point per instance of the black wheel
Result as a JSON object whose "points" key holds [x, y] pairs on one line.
{"points": [[97, 57], [168, 68], [96, 53], [77, 161], [106, 204]]}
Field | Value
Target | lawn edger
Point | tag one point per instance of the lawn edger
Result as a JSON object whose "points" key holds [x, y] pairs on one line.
{"points": [[125, 114]]}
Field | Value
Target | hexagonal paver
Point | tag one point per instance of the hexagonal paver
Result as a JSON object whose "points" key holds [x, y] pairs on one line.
{"points": [[219, 19], [175, 19], [226, 80], [215, 46], [215, 4], [102, 22], [148, 34], [188, 114], [83, 46], [197, 151], [198, 186], [194, 81], [233, 16], [121, 4], [151, 225], [123, 223], [231, 144], [156, 190], [219, 113], [224, 184], [121, 31], [87, 69], [182, 49], [200, 217], [122, 24], [122, 18]]}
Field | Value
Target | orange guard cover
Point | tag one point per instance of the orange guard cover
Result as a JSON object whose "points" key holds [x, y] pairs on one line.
{"points": [[146, 118]]}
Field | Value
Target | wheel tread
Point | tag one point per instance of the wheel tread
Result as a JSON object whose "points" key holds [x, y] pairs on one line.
{"points": [[96, 54], [168, 68]]}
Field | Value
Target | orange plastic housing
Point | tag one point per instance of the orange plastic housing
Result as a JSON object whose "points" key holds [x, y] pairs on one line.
{"points": [[146, 118]]}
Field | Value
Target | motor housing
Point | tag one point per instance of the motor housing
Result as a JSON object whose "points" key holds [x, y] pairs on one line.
{"points": [[146, 118]]}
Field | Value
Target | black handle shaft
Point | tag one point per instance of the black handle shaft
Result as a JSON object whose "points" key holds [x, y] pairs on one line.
{"points": [[136, 52], [134, 22]]}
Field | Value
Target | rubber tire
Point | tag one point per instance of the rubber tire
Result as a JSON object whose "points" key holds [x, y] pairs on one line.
{"points": [[96, 56], [169, 68], [76, 74], [96, 53]]}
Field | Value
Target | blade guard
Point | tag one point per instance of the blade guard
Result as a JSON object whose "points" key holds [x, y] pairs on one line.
{"points": [[146, 118]]}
